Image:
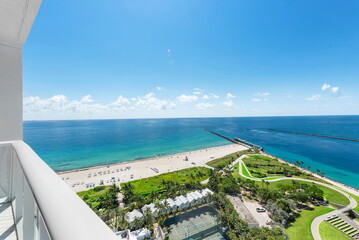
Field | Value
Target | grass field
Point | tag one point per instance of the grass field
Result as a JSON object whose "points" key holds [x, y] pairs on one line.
{"points": [[300, 229], [356, 198], [333, 196], [235, 171], [329, 232], [330, 194], [93, 193], [147, 185], [226, 160], [244, 171], [262, 166]]}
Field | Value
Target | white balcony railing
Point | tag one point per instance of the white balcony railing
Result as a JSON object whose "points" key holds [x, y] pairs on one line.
{"points": [[44, 207]]}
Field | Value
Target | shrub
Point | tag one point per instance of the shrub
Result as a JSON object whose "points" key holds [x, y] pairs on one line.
{"points": [[99, 188]]}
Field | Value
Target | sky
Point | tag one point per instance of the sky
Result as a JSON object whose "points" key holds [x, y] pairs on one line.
{"points": [[183, 58]]}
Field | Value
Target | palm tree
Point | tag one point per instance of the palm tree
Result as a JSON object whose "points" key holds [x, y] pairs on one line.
{"points": [[263, 182], [318, 171], [301, 162], [159, 205], [137, 223], [166, 205], [322, 173], [308, 167], [147, 216], [267, 183]]}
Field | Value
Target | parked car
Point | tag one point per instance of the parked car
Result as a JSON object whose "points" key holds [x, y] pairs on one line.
{"points": [[260, 210]]}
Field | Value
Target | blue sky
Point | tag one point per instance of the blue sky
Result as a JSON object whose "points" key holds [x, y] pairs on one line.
{"points": [[185, 58]]}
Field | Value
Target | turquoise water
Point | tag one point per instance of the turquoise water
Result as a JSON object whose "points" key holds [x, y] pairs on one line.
{"points": [[69, 145]]}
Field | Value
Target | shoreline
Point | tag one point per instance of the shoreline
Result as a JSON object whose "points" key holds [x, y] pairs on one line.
{"points": [[144, 168], [134, 160]]}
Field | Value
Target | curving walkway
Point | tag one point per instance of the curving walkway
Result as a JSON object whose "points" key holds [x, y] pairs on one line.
{"points": [[317, 220]]}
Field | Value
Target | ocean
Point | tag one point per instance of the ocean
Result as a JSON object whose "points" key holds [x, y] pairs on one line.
{"points": [[69, 145]]}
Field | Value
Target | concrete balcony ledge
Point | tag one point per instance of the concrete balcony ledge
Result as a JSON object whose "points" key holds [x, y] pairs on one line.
{"points": [[43, 206]]}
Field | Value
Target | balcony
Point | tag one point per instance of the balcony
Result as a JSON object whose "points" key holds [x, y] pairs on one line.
{"points": [[36, 204]]}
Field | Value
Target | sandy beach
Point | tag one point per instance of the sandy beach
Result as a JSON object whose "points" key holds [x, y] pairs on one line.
{"points": [[128, 171]]}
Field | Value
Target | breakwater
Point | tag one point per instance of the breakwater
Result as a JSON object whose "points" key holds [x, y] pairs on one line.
{"points": [[219, 135], [252, 145], [237, 140], [314, 135]]}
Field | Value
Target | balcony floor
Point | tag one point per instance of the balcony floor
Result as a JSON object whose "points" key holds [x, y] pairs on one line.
{"points": [[7, 226]]}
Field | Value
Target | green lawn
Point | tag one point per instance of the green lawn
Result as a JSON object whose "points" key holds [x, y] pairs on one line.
{"points": [[328, 232], [333, 196], [245, 172], [147, 185], [228, 159], [235, 171], [330, 194], [266, 167], [92, 192], [300, 229], [355, 197]]}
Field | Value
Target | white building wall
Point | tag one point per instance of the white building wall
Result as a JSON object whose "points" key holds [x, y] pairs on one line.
{"points": [[10, 93]]}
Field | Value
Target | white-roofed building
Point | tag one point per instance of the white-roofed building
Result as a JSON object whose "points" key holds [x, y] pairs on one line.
{"points": [[185, 201], [195, 197], [179, 203], [199, 195], [152, 207], [191, 200], [206, 193], [130, 216], [172, 204], [140, 234]]}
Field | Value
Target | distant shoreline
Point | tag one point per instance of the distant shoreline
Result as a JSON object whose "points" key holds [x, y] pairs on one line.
{"points": [[135, 160]]}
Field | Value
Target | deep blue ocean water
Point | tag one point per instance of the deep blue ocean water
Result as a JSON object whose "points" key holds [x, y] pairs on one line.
{"points": [[69, 145]]}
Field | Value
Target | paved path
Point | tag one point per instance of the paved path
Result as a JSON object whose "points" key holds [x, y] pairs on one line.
{"points": [[317, 220]]}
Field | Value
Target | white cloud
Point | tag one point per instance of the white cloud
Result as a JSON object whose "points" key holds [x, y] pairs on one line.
{"points": [[59, 103], [197, 89], [204, 106], [229, 103], [325, 86], [256, 100], [187, 98], [151, 103], [86, 99], [37, 104], [335, 89], [119, 104], [314, 97], [159, 88], [214, 96], [197, 93], [205, 97], [263, 94], [229, 96]]}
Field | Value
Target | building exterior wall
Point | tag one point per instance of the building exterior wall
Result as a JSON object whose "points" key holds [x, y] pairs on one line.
{"points": [[10, 93]]}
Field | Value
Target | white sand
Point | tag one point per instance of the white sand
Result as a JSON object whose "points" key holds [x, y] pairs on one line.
{"points": [[78, 179]]}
